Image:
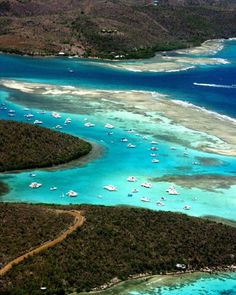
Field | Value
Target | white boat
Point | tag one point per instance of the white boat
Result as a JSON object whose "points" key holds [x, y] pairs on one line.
{"points": [[110, 188], [58, 127], [173, 148], [71, 193], [55, 115], [124, 139], [146, 185], [35, 185], [67, 121], [153, 148], [28, 116], [130, 131], [160, 203], [134, 191], [38, 122], [88, 124], [187, 207], [154, 142], [172, 191], [32, 175], [109, 126], [11, 111], [131, 179], [155, 161], [53, 188], [144, 199], [41, 112], [130, 145], [153, 155]]}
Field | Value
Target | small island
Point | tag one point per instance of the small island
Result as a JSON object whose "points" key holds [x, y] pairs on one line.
{"points": [[26, 146], [111, 244]]}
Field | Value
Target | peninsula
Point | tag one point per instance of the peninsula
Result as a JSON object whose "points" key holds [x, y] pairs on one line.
{"points": [[27, 146]]}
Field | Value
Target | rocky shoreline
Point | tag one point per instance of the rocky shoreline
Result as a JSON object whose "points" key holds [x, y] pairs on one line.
{"points": [[146, 276]]}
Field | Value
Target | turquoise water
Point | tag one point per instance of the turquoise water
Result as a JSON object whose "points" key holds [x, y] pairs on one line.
{"points": [[177, 152]]}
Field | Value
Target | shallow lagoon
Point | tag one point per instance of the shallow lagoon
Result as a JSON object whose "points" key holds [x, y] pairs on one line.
{"points": [[179, 150]]}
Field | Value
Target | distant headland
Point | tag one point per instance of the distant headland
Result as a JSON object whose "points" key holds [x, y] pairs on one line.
{"points": [[113, 30]]}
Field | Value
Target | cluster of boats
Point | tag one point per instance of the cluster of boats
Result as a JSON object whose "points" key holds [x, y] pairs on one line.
{"points": [[111, 188], [35, 185]]}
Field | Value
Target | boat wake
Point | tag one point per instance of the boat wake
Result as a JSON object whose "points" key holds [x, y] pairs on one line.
{"points": [[233, 86]]}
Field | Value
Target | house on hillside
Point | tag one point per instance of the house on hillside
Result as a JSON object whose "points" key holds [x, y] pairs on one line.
{"points": [[151, 2]]}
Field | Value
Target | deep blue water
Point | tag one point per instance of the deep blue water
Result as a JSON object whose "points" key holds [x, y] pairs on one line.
{"points": [[177, 84]]}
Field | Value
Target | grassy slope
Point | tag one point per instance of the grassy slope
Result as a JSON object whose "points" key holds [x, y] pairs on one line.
{"points": [[106, 28], [118, 242], [24, 146]]}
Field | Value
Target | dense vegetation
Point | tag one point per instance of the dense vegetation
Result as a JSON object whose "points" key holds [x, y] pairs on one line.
{"points": [[107, 28], [119, 242], [141, 34], [24, 146], [24, 227]]}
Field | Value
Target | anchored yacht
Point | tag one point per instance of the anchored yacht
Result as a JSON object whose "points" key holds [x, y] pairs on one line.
{"points": [[110, 188], [71, 193], [35, 185], [131, 179], [146, 185]]}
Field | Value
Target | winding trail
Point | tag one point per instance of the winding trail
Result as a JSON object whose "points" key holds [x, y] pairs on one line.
{"points": [[78, 222]]}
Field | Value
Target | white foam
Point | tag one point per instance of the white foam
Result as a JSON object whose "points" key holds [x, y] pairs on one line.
{"points": [[209, 47], [215, 85], [215, 114], [181, 69]]}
